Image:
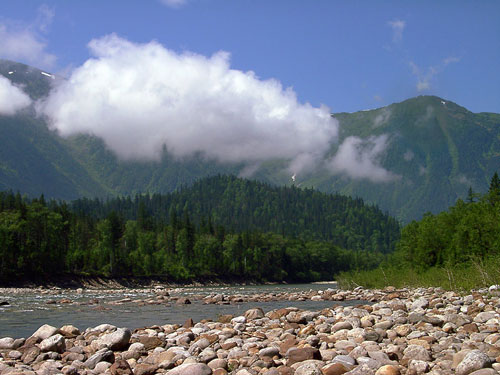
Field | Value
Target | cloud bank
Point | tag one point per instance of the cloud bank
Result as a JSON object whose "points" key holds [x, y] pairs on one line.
{"points": [[139, 97], [359, 159], [12, 98]]}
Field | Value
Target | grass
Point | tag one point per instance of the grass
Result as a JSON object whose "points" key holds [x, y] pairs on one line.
{"points": [[463, 277]]}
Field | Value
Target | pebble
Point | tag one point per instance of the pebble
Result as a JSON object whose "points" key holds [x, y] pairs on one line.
{"points": [[400, 331]]}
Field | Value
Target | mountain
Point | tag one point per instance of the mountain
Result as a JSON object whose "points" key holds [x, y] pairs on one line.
{"points": [[428, 151], [436, 150]]}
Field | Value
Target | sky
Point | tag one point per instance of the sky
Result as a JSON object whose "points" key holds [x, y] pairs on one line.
{"points": [[347, 55], [248, 80]]}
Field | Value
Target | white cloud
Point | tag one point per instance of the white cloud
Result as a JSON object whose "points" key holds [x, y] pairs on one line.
{"points": [[425, 77], [398, 27], [12, 98], [138, 97], [450, 60], [359, 159], [44, 18], [174, 3], [26, 43], [382, 117]]}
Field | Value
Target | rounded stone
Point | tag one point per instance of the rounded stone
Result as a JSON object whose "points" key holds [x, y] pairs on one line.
{"points": [[474, 360], [388, 370]]}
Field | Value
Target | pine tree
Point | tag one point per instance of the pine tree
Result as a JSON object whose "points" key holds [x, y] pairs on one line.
{"points": [[494, 190]]}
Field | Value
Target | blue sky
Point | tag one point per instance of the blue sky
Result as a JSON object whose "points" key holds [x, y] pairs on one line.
{"points": [[347, 55]]}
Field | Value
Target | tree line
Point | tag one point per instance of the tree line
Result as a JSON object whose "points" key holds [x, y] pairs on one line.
{"points": [[469, 230], [455, 249], [220, 228]]}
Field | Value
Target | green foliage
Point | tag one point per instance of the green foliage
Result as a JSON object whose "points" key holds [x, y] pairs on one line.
{"points": [[186, 235], [456, 249], [435, 151], [243, 205]]}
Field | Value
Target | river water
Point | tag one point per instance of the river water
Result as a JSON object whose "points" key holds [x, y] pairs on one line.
{"points": [[29, 310]]}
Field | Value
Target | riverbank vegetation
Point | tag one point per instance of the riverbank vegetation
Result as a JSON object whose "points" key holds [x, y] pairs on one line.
{"points": [[220, 228], [456, 249]]}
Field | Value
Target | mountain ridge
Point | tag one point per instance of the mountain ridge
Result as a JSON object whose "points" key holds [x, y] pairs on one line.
{"points": [[427, 150]]}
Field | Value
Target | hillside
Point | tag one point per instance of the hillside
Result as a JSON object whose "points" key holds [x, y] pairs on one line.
{"points": [[221, 227], [433, 150], [436, 149], [243, 205]]}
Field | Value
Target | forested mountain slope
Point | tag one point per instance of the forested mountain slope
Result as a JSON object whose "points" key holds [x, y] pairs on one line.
{"points": [[430, 149], [435, 151], [222, 227], [244, 205]]}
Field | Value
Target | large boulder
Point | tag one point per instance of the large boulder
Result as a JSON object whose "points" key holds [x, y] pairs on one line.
{"points": [[117, 340], [473, 360], [7, 343], [54, 343], [101, 355], [45, 331], [295, 355], [308, 368], [191, 369], [255, 313]]}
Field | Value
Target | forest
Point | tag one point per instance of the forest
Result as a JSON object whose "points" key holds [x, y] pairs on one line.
{"points": [[222, 228], [456, 249]]}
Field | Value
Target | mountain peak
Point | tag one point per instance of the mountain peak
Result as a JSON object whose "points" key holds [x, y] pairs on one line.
{"points": [[35, 82]]}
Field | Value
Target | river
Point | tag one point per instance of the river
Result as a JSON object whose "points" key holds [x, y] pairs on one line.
{"points": [[30, 309]]}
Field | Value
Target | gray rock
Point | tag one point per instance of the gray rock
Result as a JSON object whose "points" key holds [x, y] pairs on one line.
{"points": [[484, 316], [308, 369], [217, 363], [386, 324], [45, 331], [418, 367], [341, 325], [30, 354], [382, 357], [474, 360], [7, 343], [191, 369], [372, 336], [207, 355], [361, 370], [485, 371], [15, 354], [415, 317], [239, 319], [101, 367], [255, 313], [101, 355], [344, 359], [370, 362], [434, 320], [270, 351], [117, 340], [416, 352], [103, 328], [55, 343], [420, 303]]}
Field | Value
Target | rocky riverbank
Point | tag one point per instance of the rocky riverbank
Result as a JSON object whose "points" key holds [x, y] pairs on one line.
{"points": [[400, 332]]}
